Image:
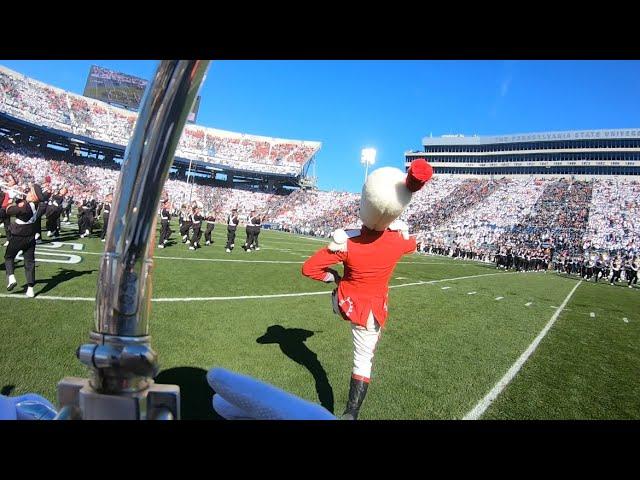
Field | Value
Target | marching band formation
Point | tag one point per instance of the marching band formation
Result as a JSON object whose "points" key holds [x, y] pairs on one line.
{"points": [[22, 212], [191, 218], [596, 266], [616, 268], [23, 207]]}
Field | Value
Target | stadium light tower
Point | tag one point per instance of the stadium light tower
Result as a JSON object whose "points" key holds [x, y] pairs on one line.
{"points": [[368, 157]]}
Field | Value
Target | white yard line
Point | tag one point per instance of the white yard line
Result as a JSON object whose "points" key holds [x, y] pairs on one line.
{"points": [[193, 259], [196, 259], [240, 297], [477, 411], [17, 296], [499, 298], [224, 260]]}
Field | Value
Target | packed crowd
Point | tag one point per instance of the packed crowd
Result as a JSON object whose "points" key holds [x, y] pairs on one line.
{"points": [[558, 218], [82, 178], [41, 104], [318, 213], [473, 219], [482, 223], [614, 218], [431, 211]]}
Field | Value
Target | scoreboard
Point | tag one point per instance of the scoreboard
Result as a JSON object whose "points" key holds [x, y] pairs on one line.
{"points": [[121, 90]]}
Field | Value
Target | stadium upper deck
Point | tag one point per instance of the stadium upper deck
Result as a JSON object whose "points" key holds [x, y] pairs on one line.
{"points": [[40, 104], [581, 154]]}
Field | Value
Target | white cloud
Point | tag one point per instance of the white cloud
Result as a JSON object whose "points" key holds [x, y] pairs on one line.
{"points": [[506, 83]]}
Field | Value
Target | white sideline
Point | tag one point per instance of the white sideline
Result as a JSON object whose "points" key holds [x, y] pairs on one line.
{"points": [[477, 411], [240, 297], [196, 259]]}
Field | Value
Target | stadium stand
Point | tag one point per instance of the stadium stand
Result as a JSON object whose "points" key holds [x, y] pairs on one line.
{"points": [[41, 104], [478, 215]]}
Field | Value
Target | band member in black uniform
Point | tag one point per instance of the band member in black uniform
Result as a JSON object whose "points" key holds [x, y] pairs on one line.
{"points": [[598, 268], [604, 259], [12, 188], [568, 264], [53, 212], [106, 211], [257, 222], [86, 218], [232, 224], [616, 267], [23, 237], [589, 263], [210, 220], [500, 257], [509, 258], [3, 214], [42, 206], [80, 214], [165, 218], [67, 208], [632, 271], [185, 224], [196, 224], [250, 231]]}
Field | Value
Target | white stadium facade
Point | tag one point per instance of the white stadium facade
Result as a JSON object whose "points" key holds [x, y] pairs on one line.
{"points": [[581, 154]]}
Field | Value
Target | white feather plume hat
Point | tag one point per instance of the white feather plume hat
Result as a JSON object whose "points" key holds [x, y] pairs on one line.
{"points": [[385, 195]]}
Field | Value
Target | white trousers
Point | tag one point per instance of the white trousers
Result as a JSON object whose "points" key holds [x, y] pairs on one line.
{"points": [[364, 345]]}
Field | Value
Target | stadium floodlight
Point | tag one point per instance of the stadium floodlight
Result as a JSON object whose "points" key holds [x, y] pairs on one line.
{"points": [[367, 157]]}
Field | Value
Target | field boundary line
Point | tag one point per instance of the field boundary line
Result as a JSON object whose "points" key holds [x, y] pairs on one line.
{"points": [[477, 411]]}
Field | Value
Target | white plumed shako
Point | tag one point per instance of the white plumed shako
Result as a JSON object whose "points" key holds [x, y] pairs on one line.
{"points": [[384, 197]]}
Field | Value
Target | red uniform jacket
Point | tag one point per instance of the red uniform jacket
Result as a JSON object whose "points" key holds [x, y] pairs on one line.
{"points": [[368, 264]]}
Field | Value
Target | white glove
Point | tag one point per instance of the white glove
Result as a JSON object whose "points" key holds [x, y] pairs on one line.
{"points": [[239, 397], [400, 226]]}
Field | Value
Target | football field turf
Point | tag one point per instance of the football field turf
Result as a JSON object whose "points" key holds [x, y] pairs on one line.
{"points": [[463, 339]]}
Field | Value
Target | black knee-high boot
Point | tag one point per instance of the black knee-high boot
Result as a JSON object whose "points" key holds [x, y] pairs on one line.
{"points": [[357, 392]]}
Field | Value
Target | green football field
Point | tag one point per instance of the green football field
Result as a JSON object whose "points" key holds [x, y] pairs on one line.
{"points": [[463, 340]]}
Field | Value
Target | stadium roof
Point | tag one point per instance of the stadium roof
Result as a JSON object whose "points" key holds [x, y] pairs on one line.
{"points": [[190, 128], [533, 137]]}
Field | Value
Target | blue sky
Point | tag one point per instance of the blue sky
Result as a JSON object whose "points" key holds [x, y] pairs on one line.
{"points": [[390, 105]]}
